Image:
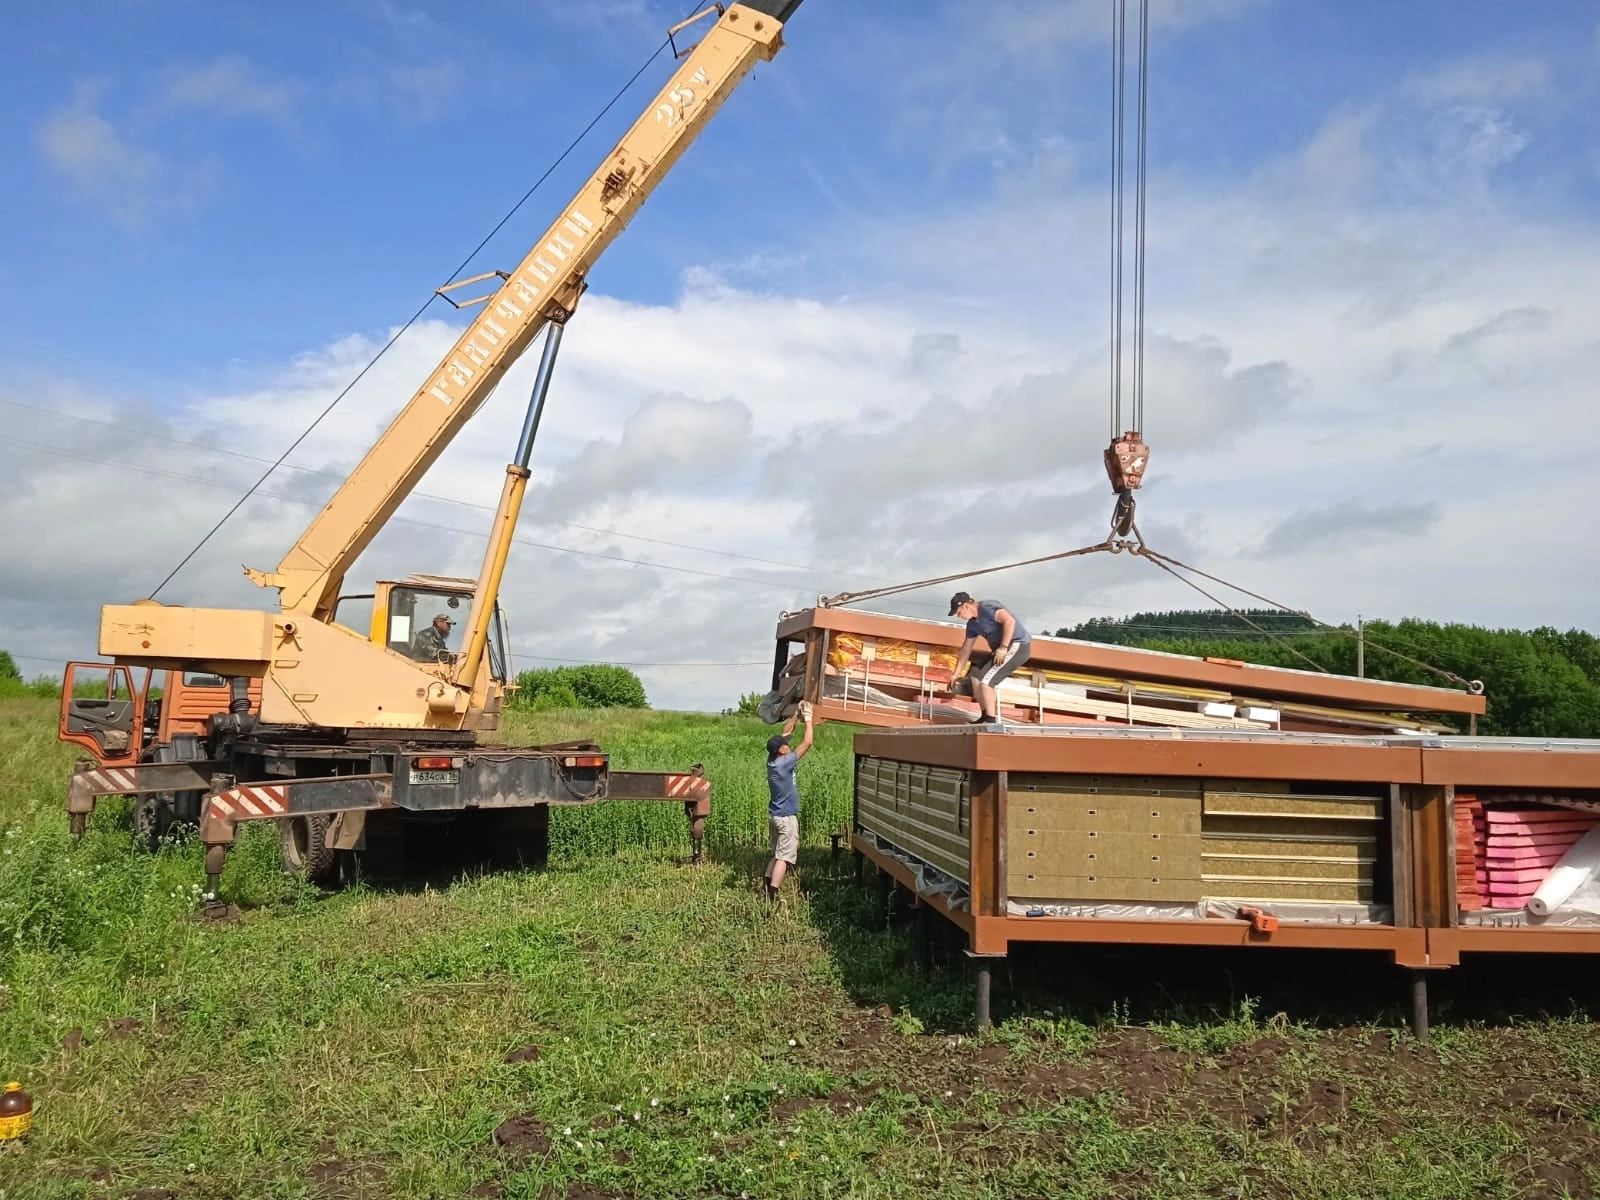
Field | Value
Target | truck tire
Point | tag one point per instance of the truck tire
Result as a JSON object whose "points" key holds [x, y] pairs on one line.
{"points": [[153, 820], [306, 853], [157, 815]]}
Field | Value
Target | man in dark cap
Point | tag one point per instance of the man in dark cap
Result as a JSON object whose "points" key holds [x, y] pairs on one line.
{"points": [[1006, 646], [783, 812], [430, 644]]}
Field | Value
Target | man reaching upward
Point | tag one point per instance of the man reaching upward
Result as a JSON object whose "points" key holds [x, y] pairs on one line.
{"points": [[1006, 646], [784, 810]]}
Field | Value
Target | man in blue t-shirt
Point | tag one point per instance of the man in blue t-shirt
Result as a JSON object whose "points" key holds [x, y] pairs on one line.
{"points": [[1005, 647], [784, 811]]}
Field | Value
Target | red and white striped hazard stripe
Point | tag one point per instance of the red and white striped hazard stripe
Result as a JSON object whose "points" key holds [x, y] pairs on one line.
{"points": [[686, 785], [111, 779], [251, 800]]}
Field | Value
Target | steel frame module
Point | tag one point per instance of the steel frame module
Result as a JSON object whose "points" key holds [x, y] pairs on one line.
{"points": [[1419, 774], [817, 630]]}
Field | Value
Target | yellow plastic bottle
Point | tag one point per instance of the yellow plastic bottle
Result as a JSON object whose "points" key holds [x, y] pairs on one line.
{"points": [[16, 1112]]}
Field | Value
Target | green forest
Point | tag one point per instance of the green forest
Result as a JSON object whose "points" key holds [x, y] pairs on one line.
{"points": [[1538, 683]]}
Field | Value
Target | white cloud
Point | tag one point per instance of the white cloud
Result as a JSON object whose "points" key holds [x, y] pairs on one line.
{"points": [[1337, 352], [425, 90], [107, 169], [1483, 79], [228, 86]]}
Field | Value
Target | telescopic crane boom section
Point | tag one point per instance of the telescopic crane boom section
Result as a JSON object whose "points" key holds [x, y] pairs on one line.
{"points": [[546, 285]]}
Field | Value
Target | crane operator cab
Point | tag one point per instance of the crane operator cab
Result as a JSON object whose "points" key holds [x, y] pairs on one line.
{"points": [[422, 618], [405, 616]]}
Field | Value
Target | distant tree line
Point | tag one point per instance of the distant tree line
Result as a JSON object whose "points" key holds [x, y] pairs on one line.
{"points": [[1538, 683], [587, 686], [592, 685]]}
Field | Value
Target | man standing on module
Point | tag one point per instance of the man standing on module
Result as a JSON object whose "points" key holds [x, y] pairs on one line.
{"points": [[784, 811], [1006, 646]]}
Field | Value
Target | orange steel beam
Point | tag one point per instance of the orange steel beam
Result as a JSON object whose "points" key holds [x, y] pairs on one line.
{"points": [[1445, 946], [1245, 757], [995, 934], [1124, 661], [1513, 765]]}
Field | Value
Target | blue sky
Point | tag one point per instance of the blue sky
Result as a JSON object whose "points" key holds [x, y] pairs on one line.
{"points": [[298, 172], [223, 203]]}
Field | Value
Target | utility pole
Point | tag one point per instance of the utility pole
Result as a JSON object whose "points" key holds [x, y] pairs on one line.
{"points": [[1361, 647]]}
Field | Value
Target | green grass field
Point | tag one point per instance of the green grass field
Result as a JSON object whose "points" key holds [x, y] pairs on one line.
{"points": [[635, 1027]]}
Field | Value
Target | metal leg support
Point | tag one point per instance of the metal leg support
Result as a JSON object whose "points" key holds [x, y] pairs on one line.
{"points": [[924, 938], [981, 1005], [697, 831], [1419, 1005]]}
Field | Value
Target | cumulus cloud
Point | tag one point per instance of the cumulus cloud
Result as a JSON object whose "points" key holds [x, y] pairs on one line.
{"points": [[1483, 79], [108, 169], [229, 86], [1348, 524]]}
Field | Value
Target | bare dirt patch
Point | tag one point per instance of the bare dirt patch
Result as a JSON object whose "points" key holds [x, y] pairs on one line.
{"points": [[524, 1054], [523, 1136]]}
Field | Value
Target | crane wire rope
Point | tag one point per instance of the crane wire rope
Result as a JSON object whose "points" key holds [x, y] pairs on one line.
{"points": [[1305, 658], [415, 317], [1472, 685], [1118, 137], [1140, 177], [1136, 375]]}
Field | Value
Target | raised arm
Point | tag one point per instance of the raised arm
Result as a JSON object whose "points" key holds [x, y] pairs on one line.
{"points": [[805, 743]]}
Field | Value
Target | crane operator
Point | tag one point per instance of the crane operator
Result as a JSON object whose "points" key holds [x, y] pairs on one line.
{"points": [[430, 642], [1006, 646]]}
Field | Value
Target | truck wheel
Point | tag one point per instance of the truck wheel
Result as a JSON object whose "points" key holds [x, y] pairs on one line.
{"points": [[152, 820], [306, 853]]}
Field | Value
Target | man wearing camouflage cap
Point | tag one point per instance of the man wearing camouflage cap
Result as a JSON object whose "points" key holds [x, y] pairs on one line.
{"points": [[430, 644]]}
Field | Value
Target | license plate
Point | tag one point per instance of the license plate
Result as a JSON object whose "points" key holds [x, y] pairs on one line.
{"points": [[450, 777]]}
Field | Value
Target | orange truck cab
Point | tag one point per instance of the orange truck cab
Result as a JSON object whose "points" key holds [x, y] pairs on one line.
{"points": [[121, 721]]}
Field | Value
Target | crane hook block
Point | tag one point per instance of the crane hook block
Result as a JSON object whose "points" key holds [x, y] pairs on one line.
{"points": [[1126, 459]]}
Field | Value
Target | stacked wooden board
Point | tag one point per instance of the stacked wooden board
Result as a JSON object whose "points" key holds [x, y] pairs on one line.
{"points": [[887, 670], [1471, 872]]}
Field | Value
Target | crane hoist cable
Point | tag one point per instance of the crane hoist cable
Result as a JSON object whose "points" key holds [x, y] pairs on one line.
{"points": [[1127, 456]]}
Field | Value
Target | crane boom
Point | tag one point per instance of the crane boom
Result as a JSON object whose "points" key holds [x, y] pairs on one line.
{"points": [[545, 285]]}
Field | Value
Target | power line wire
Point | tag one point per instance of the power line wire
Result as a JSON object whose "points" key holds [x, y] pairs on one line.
{"points": [[412, 320]]}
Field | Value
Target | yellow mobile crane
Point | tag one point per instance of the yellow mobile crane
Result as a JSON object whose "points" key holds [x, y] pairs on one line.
{"points": [[354, 735]]}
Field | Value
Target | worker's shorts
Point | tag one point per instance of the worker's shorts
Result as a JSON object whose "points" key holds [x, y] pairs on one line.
{"points": [[985, 672], [785, 838]]}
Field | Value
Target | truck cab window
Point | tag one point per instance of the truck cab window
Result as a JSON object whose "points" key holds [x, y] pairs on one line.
{"points": [[426, 624]]}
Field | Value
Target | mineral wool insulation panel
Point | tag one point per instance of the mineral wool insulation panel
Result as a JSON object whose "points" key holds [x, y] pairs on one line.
{"points": [[1084, 837], [922, 810], [1270, 842], [1090, 837]]}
